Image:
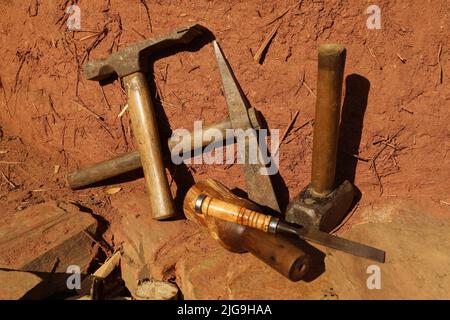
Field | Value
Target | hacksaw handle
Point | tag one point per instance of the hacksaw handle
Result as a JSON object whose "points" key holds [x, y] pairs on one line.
{"points": [[234, 213]]}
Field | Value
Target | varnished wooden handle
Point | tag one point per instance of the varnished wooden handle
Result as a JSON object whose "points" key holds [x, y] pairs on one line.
{"points": [[331, 62], [280, 253], [234, 213], [145, 129]]}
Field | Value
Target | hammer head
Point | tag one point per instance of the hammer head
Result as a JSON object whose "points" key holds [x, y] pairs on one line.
{"points": [[131, 59], [322, 213]]}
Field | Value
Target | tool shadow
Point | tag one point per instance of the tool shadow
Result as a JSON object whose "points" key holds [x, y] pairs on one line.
{"points": [[354, 107], [49, 282]]}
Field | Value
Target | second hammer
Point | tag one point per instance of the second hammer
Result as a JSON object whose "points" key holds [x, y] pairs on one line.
{"points": [[130, 63]]}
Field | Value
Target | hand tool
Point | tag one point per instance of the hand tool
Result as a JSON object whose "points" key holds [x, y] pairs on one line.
{"points": [[129, 64], [280, 253], [131, 161], [320, 205], [260, 188], [236, 213]]}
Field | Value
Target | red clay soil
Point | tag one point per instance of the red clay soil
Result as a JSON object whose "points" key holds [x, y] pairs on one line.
{"points": [[395, 123]]}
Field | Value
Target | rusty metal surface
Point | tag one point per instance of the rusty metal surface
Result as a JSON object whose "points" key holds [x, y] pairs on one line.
{"points": [[259, 187], [130, 59], [323, 213]]}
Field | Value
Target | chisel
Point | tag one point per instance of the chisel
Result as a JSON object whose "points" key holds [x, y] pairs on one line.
{"points": [[234, 213]]}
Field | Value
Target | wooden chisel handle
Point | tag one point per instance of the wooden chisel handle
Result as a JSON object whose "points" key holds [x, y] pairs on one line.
{"points": [[227, 211], [280, 253], [233, 213]]}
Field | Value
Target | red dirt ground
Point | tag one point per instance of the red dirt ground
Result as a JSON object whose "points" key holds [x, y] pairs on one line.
{"points": [[41, 77]]}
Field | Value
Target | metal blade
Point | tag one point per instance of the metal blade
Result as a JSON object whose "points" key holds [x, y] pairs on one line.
{"points": [[341, 244], [236, 103], [259, 187]]}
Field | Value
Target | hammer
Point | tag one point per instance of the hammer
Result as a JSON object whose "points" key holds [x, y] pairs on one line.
{"points": [[321, 205], [131, 161], [241, 116], [130, 63]]}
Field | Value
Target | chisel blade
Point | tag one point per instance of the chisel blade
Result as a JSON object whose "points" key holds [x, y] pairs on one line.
{"points": [[352, 247]]}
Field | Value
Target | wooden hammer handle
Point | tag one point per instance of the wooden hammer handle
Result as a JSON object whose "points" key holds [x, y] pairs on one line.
{"points": [[145, 129], [234, 213], [331, 63], [130, 161]]}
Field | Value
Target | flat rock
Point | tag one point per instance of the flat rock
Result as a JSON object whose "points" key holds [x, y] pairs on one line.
{"points": [[19, 285], [417, 265], [151, 248], [203, 275], [417, 245], [46, 239], [220, 274]]}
